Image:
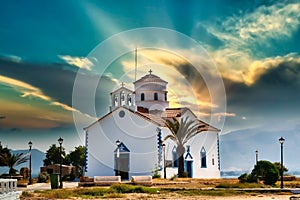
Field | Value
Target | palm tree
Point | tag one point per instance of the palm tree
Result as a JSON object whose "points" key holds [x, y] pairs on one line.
{"points": [[181, 133], [12, 160]]}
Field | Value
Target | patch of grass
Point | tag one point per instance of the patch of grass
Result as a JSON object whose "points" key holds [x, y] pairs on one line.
{"points": [[26, 194], [115, 191], [124, 188], [199, 192], [93, 192], [239, 185], [113, 195]]}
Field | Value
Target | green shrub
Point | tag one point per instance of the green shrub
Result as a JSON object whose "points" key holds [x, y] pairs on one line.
{"points": [[243, 178], [185, 175], [156, 172], [122, 188], [156, 176], [265, 171]]}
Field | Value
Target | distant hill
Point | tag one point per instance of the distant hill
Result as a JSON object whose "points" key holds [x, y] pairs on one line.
{"points": [[238, 148], [37, 158]]}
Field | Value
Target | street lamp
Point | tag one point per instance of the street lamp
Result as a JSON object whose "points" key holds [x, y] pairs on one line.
{"points": [[256, 156], [281, 141], [117, 157], [30, 145], [60, 141], [164, 150]]}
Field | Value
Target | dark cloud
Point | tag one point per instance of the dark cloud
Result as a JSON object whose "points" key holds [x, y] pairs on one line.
{"points": [[274, 96], [195, 78], [52, 79], [57, 80]]}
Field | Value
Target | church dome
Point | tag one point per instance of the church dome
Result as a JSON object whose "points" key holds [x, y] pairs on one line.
{"points": [[151, 92], [150, 78]]}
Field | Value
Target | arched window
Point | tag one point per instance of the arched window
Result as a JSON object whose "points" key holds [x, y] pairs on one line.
{"points": [[174, 157], [155, 96], [142, 97], [203, 158], [129, 100], [122, 94], [116, 102]]}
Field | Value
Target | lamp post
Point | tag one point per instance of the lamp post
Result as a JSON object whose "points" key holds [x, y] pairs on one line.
{"points": [[281, 141], [256, 156], [30, 145], [117, 157], [60, 141], [164, 150]]}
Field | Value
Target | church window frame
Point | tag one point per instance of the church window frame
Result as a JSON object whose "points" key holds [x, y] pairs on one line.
{"points": [[174, 157], [203, 160]]}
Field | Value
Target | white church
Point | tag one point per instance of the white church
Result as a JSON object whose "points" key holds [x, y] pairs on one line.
{"points": [[127, 141]]}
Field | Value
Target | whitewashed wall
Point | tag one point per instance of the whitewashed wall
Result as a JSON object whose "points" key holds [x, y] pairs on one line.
{"points": [[138, 134], [208, 140]]}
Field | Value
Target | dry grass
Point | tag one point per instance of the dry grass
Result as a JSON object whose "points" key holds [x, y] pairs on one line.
{"points": [[192, 183], [179, 188]]}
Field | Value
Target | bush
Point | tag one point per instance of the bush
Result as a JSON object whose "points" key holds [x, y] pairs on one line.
{"points": [[185, 175], [156, 176], [156, 172], [265, 171], [243, 178], [43, 177]]}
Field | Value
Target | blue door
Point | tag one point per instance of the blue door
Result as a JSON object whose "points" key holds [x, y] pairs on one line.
{"points": [[189, 168]]}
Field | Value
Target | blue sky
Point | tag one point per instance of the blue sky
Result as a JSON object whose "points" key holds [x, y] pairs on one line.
{"points": [[46, 44]]}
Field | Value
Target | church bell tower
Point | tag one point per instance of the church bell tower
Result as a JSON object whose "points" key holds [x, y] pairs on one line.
{"points": [[151, 93]]}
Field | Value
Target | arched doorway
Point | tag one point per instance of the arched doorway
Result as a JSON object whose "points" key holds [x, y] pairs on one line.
{"points": [[122, 164]]}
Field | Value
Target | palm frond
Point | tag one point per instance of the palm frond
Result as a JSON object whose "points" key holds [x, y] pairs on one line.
{"points": [[181, 131]]}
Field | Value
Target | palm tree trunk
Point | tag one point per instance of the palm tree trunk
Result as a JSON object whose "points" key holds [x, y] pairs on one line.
{"points": [[180, 152]]}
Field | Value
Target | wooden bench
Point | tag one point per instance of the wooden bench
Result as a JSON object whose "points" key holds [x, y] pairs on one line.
{"points": [[141, 180], [106, 180]]}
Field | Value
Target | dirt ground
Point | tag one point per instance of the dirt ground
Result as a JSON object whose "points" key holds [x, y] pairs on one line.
{"points": [[175, 196], [195, 184]]}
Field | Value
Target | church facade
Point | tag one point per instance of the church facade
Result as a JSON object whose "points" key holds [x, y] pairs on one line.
{"points": [[128, 140]]}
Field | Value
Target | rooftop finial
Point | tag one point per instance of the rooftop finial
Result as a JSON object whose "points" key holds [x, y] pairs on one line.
{"points": [[150, 71], [122, 84]]}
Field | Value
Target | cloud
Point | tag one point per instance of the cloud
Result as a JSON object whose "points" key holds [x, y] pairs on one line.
{"points": [[277, 21], [12, 58], [187, 84], [80, 62], [246, 37], [32, 99], [27, 89], [272, 98]]}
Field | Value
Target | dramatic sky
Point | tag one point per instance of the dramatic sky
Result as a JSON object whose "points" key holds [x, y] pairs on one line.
{"points": [[252, 46]]}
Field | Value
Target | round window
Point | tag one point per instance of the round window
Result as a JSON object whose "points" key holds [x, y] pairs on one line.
{"points": [[122, 113]]}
